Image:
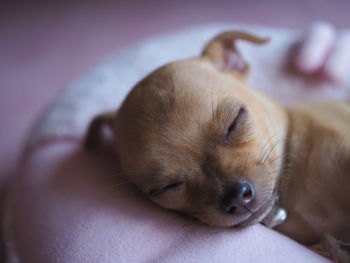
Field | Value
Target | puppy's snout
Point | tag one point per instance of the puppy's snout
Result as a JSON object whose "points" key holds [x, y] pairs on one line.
{"points": [[237, 197]]}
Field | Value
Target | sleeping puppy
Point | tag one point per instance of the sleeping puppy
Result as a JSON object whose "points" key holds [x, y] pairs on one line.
{"points": [[194, 138]]}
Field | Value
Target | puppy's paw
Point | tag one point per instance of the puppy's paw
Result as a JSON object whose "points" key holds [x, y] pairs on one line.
{"points": [[323, 53], [337, 66], [94, 133], [314, 47], [333, 249]]}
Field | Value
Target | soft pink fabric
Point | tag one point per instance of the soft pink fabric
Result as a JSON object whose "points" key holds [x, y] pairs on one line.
{"points": [[74, 206], [67, 205]]}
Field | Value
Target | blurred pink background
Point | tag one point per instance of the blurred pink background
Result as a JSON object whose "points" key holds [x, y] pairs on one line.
{"points": [[44, 46]]}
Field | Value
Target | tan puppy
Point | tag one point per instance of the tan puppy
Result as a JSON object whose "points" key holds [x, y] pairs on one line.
{"points": [[194, 138]]}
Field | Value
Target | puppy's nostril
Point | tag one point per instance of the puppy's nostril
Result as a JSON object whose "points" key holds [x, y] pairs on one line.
{"points": [[247, 193]]}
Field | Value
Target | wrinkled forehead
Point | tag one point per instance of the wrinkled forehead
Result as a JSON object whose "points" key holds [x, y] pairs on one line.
{"points": [[185, 85], [177, 104]]}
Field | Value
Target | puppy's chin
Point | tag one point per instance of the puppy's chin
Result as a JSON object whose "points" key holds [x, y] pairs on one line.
{"points": [[251, 218], [258, 215]]}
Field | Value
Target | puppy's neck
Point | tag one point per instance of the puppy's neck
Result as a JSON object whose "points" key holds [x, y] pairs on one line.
{"points": [[296, 153]]}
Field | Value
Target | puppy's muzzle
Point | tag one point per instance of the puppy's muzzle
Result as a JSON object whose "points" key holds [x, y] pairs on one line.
{"points": [[237, 198]]}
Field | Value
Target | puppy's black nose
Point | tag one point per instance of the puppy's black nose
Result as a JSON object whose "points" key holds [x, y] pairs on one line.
{"points": [[242, 193]]}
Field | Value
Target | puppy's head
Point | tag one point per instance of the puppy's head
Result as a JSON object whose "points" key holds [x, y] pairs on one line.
{"points": [[195, 139]]}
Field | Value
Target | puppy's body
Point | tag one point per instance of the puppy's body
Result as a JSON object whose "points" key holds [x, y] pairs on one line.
{"points": [[315, 191], [194, 138]]}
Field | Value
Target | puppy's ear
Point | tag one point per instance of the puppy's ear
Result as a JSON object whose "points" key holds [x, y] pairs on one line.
{"points": [[94, 132], [222, 51]]}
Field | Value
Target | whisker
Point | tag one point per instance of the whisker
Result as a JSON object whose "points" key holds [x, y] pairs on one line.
{"points": [[271, 148], [263, 150]]}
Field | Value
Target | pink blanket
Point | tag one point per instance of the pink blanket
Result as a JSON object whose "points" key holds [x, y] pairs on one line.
{"points": [[67, 205], [72, 206]]}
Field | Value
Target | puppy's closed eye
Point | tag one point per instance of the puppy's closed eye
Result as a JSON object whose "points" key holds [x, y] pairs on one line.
{"points": [[237, 122], [158, 191]]}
